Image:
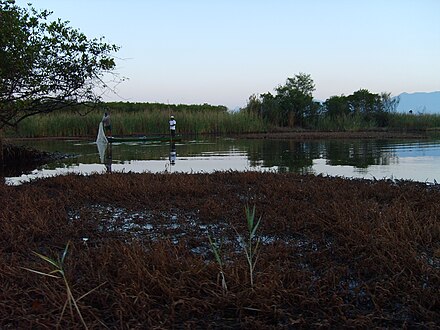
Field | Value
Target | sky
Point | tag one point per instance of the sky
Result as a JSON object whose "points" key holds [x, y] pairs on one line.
{"points": [[221, 52]]}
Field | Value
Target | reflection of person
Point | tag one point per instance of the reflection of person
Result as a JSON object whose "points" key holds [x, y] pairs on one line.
{"points": [[108, 158], [172, 126], [173, 154], [107, 124]]}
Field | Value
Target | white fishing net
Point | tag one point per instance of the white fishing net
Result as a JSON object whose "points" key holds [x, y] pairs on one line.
{"points": [[101, 142], [101, 138]]}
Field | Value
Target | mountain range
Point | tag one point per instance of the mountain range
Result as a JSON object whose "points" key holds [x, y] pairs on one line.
{"points": [[420, 102]]}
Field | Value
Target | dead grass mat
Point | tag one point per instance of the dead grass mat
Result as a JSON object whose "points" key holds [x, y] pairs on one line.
{"points": [[333, 252]]}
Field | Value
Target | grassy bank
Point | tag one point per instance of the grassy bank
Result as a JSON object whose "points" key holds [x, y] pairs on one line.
{"points": [[332, 253]]}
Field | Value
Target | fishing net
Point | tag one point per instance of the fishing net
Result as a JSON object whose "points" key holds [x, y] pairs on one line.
{"points": [[101, 138], [101, 142]]}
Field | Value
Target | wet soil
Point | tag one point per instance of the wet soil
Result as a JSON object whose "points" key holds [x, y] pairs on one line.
{"points": [[331, 252]]}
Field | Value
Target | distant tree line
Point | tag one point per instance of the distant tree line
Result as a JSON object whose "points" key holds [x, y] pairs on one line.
{"points": [[293, 106], [174, 108]]}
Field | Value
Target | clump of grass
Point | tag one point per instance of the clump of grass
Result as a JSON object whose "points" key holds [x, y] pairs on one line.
{"points": [[252, 243], [250, 246], [216, 249], [59, 272]]}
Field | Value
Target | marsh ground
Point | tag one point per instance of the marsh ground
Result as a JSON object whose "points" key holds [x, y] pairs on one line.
{"points": [[333, 252]]}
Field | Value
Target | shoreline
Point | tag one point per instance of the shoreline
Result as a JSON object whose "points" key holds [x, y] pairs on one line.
{"points": [[278, 134], [316, 135]]}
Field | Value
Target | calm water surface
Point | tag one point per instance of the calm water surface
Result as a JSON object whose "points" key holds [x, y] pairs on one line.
{"points": [[417, 160]]}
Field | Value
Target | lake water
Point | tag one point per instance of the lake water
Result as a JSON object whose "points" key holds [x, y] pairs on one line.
{"points": [[417, 160]]}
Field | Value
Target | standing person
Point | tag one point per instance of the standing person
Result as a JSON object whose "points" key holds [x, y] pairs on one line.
{"points": [[172, 127], [107, 123]]}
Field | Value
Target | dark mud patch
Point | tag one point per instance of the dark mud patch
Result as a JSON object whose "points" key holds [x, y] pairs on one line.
{"points": [[20, 159]]}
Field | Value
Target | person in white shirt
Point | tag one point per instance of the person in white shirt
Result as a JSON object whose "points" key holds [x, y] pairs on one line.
{"points": [[172, 126]]}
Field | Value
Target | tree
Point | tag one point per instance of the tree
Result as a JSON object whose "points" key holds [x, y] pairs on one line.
{"points": [[372, 108], [254, 105], [296, 100], [389, 103], [336, 106], [270, 109], [364, 102], [292, 105], [47, 66]]}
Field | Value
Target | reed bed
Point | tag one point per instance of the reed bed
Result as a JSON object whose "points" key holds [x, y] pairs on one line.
{"points": [[146, 119], [138, 122], [419, 121], [332, 252], [350, 123]]}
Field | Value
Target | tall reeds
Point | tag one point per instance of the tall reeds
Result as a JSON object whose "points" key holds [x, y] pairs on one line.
{"points": [[343, 123], [420, 122], [144, 119], [72, 124]]}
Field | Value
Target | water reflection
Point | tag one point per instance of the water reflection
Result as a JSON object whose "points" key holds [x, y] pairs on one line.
{"points": [[299, 156], [105, 154], [416, 160], [173, 154], [108, 158], [359, 154], [102, 147]]}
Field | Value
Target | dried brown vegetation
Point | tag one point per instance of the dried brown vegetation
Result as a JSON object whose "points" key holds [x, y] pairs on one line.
{"points": [[334, 252]]}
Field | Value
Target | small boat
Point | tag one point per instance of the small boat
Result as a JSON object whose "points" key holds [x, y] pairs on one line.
{"points": [[151, 138]]}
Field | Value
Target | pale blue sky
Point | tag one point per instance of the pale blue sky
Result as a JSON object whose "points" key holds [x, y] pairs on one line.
{"points": [[221, 52]]}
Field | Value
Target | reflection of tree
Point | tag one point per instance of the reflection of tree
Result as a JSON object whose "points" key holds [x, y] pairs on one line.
{"points": [[298, 156], [288, 156], [360, 154]]}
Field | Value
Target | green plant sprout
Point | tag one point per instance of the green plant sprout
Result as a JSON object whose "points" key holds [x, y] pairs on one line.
{"points": [[59, 272], [216, 250], [251, 246]]}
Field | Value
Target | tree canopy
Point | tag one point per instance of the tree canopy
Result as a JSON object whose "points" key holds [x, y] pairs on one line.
{"points": [[293, 105], [47, 65], [371, 107]]}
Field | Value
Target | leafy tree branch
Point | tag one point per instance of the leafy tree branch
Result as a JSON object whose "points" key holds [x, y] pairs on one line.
{"points": [[47, 65]]}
